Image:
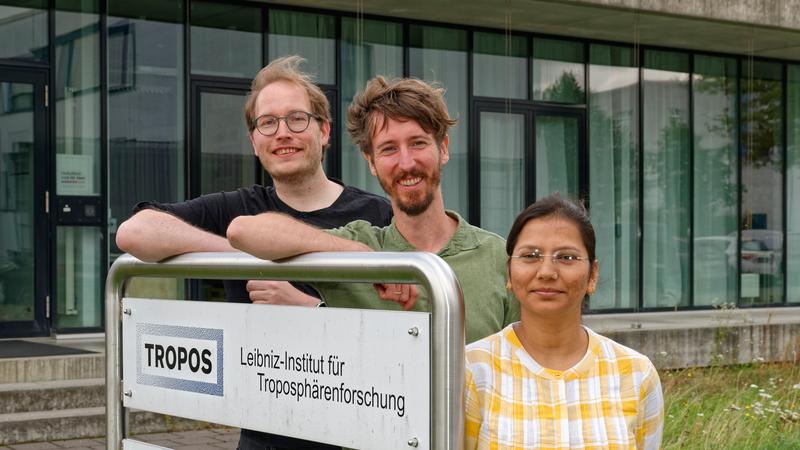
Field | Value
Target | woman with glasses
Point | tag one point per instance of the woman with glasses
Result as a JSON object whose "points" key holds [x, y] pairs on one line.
{"points": [[548, 382]]}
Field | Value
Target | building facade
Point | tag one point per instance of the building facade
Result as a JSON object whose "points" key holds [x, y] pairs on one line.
{"points": [[677, 122]]}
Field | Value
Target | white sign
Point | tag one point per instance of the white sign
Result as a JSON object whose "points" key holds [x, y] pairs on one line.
{"points": [[349, 377], [75, 174], [750, 285]]}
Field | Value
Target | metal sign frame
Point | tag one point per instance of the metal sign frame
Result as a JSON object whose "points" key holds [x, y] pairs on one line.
{"points": [[426, 269]]}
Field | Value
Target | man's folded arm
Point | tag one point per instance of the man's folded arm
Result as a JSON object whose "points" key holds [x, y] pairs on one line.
{"points": [[276, 236], [153, 235]]}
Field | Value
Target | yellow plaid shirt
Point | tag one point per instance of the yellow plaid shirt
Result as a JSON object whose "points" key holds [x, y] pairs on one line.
{"points": [[611, 399]]}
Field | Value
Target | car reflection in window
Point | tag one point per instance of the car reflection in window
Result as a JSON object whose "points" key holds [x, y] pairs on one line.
{"points": [[758, 258]]}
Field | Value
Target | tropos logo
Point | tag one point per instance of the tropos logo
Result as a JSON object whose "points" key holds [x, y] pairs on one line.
{"points": [[181, 358]]}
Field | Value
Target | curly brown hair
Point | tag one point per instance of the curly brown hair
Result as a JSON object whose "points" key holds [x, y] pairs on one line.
{"points": [[399, 99]]}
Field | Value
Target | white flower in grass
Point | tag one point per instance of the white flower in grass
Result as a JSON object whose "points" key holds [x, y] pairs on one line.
{"points": [[764, 395], [755, 386], [700, 415], [796, 386]]}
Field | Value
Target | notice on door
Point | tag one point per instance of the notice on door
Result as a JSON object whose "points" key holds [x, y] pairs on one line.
{"points": [[355, 378], [75, 174]]}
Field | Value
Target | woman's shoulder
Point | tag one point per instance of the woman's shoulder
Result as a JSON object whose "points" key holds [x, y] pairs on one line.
{"points": [[500, 345]]}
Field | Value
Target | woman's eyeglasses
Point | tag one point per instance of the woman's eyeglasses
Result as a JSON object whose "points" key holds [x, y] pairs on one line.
{"points": [[558, 258]]}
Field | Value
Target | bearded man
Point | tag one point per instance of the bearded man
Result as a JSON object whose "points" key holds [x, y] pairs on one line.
{"points": [[401, 128]]}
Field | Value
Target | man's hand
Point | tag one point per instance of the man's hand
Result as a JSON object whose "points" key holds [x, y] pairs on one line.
{"points": [[278, 293], [404, 294]]}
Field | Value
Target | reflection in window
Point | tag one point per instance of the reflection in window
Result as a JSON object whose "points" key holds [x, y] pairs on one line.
{"points": [[17, 224], [499, 65], [666, 179], [440, 55], [502, 145], [226, 39], [146, 117], [78, 96], [17, 98], [793, 186], [762, 183], [613, 177], [226, 156], [122, 48], [715, 193], [558, 71], [557, 155], [312, 36], [369, 48], [80, 279], [23, 30]]}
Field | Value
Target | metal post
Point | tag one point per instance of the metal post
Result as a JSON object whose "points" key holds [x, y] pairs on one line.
{"points": [[427, 269]]}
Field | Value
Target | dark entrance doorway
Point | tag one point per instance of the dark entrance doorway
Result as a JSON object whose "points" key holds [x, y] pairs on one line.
{"points": [[24, 209]]}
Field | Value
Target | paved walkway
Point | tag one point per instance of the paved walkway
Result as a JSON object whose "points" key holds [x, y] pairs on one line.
{"points": [[212, 439]]}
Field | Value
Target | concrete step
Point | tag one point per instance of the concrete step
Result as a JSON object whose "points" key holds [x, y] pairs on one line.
{"points": [[77, 423], [52, 368], [52, 395]]}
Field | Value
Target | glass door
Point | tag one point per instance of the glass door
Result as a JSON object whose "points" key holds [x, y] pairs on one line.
{"points": [[503, 141], [24, 246], [221, 157]]}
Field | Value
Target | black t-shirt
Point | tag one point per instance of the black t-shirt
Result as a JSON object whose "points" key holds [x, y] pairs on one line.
{"points": [[214, 212]]}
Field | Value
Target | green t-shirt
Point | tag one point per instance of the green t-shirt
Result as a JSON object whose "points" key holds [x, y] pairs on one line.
{"points": [[476, 256]]}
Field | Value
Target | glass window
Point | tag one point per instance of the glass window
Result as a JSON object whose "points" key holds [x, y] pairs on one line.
{"points": [[17, 202], [226, 155], [556, 143], [793, 186], [499, 65], [23, 29], [716, 186], [369, 48], [666, 179], [502, 149], [145, 106], [558, 71], [80, 277], [614, 174], [226, 40], [440, 55], [78, 95], [762, 183], [312, 36]]}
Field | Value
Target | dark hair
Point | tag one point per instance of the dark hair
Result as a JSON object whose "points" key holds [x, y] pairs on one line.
{"points": [[555, 205]]}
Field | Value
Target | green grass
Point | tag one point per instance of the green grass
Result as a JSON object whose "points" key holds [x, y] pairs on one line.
{"points": [[754, 406]]}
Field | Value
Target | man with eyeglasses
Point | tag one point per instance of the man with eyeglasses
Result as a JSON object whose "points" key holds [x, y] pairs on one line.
{"points": [[288, 119]]}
